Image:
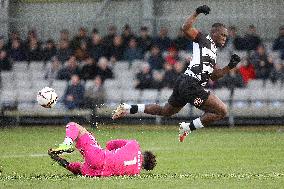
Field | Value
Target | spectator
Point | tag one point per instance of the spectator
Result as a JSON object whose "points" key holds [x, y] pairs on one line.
{"points": [[82, 53], [2, 44], [144, 77], [108, 39], [252, 39], [64, 35], [95, 31], [97, 48], [34, 52], [16, 51], [234, 41], [52, 70], [5, 63], [263, 64], [157, 82], [74, 93], [63, 52], [182, 43], [169, 76], [116, 50], [231, 80], [14, 35], [155, 59], [179, 68], [277, 74], [132, 52], [77, 40], [126, 35], [71, 68], [104, 69], [94, 98], [172, 56], [144, 40], [162, 40], [247, 71], [32, 34], [49, 50], [278, 43], [89, 69], [95, 94]]}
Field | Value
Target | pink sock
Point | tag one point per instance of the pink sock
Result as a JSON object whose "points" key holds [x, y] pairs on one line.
{"points": [[72, 131]]}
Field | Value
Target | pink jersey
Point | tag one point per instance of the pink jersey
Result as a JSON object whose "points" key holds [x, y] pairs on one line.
{"points": [[121, 157]]}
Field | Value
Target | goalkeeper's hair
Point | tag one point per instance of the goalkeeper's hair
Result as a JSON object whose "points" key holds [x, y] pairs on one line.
{"points": [[149, 161]]}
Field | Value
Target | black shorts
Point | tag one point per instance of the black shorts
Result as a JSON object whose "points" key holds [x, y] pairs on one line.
{"points": [[188, 90]]}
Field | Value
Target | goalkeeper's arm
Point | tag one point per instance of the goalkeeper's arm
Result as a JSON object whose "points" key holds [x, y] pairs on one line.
{"points": [[74, 167]]}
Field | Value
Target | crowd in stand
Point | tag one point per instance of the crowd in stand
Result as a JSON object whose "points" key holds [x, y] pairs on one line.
{"points": [[92, 57]]}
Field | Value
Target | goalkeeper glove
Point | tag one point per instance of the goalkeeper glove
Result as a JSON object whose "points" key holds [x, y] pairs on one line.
{"points": [[62, 162]]}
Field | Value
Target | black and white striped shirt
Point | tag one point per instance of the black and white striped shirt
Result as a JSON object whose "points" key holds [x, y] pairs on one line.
{"points": [[204, 59]]}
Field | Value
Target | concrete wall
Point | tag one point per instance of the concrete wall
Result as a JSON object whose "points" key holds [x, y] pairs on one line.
{"points": [[4, 4], [50, 18], [266, 15]]}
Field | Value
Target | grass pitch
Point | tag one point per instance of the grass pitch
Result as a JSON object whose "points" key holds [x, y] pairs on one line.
{"points": [[247, 157]]}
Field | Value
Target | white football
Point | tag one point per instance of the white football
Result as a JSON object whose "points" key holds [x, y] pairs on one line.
{"points": [[47, 97]]}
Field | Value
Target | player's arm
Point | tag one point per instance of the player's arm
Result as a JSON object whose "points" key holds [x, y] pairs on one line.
{"points": [[188, 29], [219, 73]]}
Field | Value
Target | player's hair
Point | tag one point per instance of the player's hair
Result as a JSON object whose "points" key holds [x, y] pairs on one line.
{"points": [[149, 161], [217, 26]]}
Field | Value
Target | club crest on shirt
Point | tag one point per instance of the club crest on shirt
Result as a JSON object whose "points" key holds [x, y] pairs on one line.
{"points": [[197, 101]]}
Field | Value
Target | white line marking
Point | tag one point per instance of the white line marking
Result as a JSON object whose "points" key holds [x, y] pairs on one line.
{"points": [[22, 155]]}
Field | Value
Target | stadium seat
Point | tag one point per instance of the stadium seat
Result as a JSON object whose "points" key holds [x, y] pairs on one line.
{"points": [[59, 86], [223, 58], [36, 66], [132, 96], [20, 66], [255, 84], [120, 67], [242, 94], [114, 95], [164, 95], [149, 96], [7, 96], [112, 84], [223, 94]]}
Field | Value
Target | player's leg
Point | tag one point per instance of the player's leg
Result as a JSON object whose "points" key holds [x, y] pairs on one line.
{"points": [[152, 109], [214, 110], [73, 132], [174, 105]]}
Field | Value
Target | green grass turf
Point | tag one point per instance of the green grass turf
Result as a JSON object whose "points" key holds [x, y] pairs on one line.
{"points": [[247, 157]]}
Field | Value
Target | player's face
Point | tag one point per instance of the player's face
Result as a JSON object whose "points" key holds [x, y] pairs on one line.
{"points": [[221, 36]]}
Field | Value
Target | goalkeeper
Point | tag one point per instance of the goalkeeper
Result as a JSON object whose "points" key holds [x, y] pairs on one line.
{"points": [[120, 157]]}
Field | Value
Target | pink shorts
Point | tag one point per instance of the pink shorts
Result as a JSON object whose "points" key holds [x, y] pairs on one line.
{"points": [[92, 152]]}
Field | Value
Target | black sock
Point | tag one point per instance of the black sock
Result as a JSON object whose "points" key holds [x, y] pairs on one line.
{"points": [[134, 109], [191, 126]]}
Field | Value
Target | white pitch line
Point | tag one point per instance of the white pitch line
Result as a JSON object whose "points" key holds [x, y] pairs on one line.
{"points": [[22, 155]]}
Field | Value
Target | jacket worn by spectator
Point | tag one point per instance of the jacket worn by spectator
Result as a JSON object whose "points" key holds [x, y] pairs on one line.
{"points": [[74, 93]]}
